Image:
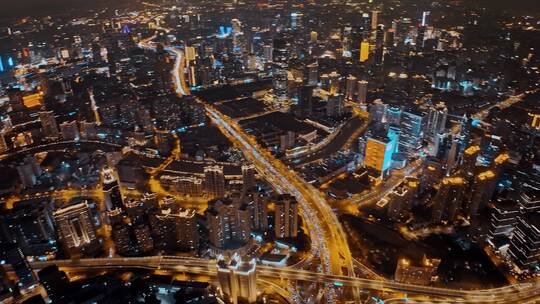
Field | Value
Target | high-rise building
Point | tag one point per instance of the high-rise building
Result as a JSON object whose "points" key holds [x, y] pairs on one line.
{"points": [[529, 198], [470, 155], [3, 144], [393, 116], [111, 189], [436, 120], [55, 282], [48, 124], [401, 198], [143, 237], [448, 199], [228, 222], [248, 177], [286, 216], [364, 51], [258, 202], [313, 74], [482, 191], [410, 139], [313, 36], [334, 105], [379, 150], [88, 130], [237, 279], [70, 130], [14, 256], [525, 242], [279, 68], [377, 112], [350, 87], [374, 19], [362, 88], [214, 181], [503, 218], [175, 229], [76, 229]]}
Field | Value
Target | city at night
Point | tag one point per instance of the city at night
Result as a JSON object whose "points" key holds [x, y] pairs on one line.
{"points": [[269, 151]]}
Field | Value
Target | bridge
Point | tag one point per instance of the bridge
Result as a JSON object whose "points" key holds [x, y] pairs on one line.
{"points": [[517, 293]]}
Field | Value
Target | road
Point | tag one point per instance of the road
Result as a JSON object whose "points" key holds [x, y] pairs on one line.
{"points": [[517, 293]]}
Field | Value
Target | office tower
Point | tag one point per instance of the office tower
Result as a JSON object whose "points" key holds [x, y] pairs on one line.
{"points": [[377, 112], [76, 229], [313, 74], [286, 217], [503, 218], [468, 164], [529, 198], [248, 177], [228, 222], [364, 51], [482, 191], [436, 120], [268, 53], [350, 87], [334, 105], [448, 199], [237, 279], [333, 82], [190, 53], [258, 203], [48, 124], [374, 19], [379, 150], [525, 242], [423, 274], [88, 130], [420, 37], [410, 139], [175, 230], [393, 116], [305, 101], [214, 181], [452, 153], [70, 130], [13, 255], [111, 189], [279, 68], [362, 87], [313, 36], [56, 283]]}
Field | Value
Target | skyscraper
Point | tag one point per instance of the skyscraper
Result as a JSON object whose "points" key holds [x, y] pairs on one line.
{"points": [[362, 87], [286, 217], [279, 68], [48, 124], [111, 189], [14, 256], [258, 202], [364, 51], [379, 150], [214, 181], [448, 199], [175, 229], [350, 87], [410, 139], [525, 243], [436, 120], [76, 229]]}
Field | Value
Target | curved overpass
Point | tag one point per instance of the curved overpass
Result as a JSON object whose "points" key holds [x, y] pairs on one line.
{"points": [[61, 145], [517, 293]]}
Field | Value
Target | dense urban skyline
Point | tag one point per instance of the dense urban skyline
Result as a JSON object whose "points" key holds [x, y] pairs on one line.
{"points": [[270, 151]]}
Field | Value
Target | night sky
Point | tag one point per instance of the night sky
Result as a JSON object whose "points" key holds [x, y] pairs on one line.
{"points": [[19, 8]]}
